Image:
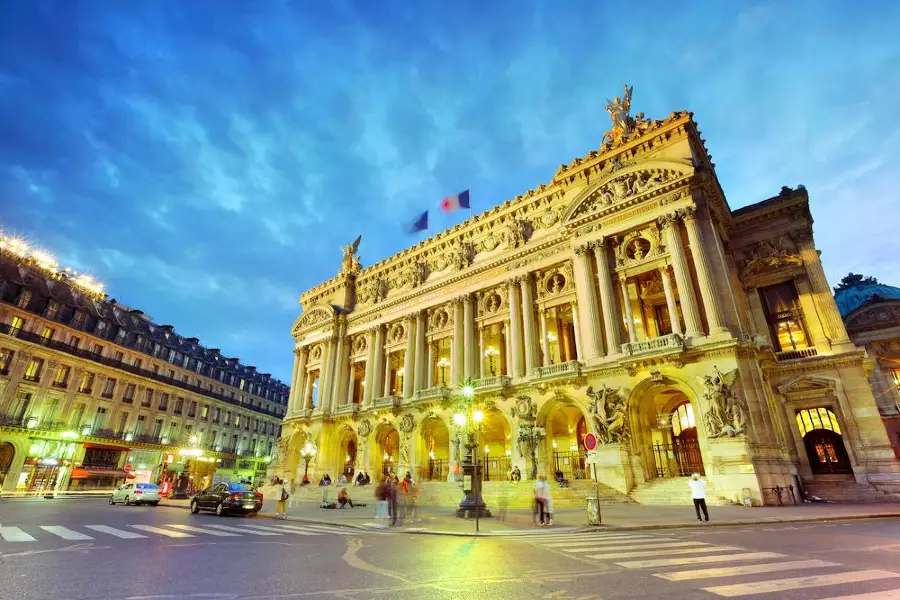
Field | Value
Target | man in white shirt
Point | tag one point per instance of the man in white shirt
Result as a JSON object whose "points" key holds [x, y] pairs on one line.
{"points": [[698, 493]]}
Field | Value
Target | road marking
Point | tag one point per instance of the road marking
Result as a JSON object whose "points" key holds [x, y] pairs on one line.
{"points": [[643, 549], [597, 543], [744, 570], [315, 530], [14, 534], [665, 551], [165, 532], [200, 530], [886, 595], [65, 533], [119, 533], [697, 560], [237, 530], [271, 529], [797, 583], [557, 542]]}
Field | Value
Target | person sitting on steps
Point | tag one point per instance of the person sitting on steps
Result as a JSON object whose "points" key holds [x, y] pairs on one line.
{"points": [[344, 499]]}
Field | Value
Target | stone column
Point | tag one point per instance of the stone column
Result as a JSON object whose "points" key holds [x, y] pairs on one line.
{"points": [[409, 362], [351, 383], [576, 325], [368, 380], [420, 380], [325, 378], [292, 396], [821, 293], [342, 370], [429, 368], [587, 298], [815, 326], [456, 350], [480, 362], [671, 306], [507, 357], [469, 331], [515, 326], [545, 343], [607, 300], [528, 325], [377, 369], [669, 224], [387, 375], [708, 293], [629, 316]]}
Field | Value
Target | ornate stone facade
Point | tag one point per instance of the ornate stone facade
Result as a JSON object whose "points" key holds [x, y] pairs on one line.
{"points": [[623, 298]]}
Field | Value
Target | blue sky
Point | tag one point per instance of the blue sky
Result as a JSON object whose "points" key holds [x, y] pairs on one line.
{"points": [[206, 159]]}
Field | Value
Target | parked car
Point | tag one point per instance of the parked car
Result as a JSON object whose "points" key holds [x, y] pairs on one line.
{"points": [[136, 493], [226, 498]]}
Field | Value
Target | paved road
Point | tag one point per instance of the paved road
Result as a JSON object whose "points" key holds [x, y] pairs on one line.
{"points": [[69, 549]]}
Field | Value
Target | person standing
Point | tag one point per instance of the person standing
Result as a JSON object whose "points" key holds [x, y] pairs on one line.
{"points": [[540, 497], [381, 496], [281, 504], [698, 494]]}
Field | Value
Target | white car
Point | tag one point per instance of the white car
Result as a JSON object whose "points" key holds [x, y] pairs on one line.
{"points": [[136, 493]]}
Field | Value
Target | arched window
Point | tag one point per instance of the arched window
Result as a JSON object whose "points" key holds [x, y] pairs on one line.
{"points": [[682, 418], [817, 418]]}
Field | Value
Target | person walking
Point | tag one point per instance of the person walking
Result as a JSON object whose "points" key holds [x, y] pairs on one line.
{"points": [[698, 494], [281, 504], [381, 508], [540, 497]]}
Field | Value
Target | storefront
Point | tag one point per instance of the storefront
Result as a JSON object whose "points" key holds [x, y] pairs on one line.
{"points": [[46, 466], [145, 466], [101, 468]]}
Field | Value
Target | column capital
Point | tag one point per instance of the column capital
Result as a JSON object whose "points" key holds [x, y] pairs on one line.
{"points": [[583, 249], [688, 213], [514, 281], [668, 220]]}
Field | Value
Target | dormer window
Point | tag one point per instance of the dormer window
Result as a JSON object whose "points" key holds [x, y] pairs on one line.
{"points": [[24, 298], [52, 309]]}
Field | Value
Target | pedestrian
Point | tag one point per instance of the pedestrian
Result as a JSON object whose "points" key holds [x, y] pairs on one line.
{"points": [[503, 501], [392, 498], [344, 498], [698, 493], [548, 505], [281, 504], [381, 504], [540, 494]]}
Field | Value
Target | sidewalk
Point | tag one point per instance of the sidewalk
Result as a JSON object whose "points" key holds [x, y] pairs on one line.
{"points": [[442, 520]]}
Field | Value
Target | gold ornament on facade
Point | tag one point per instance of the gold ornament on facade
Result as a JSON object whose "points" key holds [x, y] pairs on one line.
{"points": [[726, 415], [364, 428], [517, 231], [767, 256], [407, 423], [492, 302], [360, 344], [637, 246], [608, 410], [350, 262]]}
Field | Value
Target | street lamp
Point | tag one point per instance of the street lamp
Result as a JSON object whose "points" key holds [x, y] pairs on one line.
{"points": [[469, 420], [442, 364], [491, 353], [307, 453]]}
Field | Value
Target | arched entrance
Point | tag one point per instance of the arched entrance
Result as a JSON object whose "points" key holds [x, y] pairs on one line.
{"points": [[664, 429], [496, 450], [7, 453], [823, 441], [387, 440], [346, 455], [433, 450], [565, 426]]}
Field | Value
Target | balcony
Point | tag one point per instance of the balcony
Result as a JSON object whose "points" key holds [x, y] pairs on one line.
{"points": [[786, 355], [34, 378], [346, 409], [664, 344], [494, 382], [433, 393], [386, 402], [60, 384], [570, 368]]}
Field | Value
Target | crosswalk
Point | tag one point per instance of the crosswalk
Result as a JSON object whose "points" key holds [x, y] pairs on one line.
{"points": [[725, 571], [137, 531]]}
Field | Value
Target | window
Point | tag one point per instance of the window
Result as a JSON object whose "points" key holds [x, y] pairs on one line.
{"points": [[24, 298], [179, 406], [204, 414], [171, 355], [100, 329], [894, 372], [77, 319], [120, 336], [6, 357], [193, 411], [148, 398], [119, 356], [163, 402], [784, 316], [139, 425], [33, 371], [87, 383], [97, 349], [78, 415], [52, 309], [20, 406], [99, 419], [170, 374], [173, 431], [47, 334], [48, 412], [61, 379], [128, 396], [137, 363], [123, 423], [682, 418], [157, 428], [74, 341], [237, 420], [109, 388], [817, 418], [16, 325], [216, 413]]}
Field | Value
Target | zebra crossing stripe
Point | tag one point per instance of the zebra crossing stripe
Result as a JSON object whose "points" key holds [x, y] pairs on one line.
{"points": [[886, 595], [577, 543], [14, 534], [288, 529], [797, 583], [165, 532], [673, 552], [317, 530], [240, 530], [65, 533], [119, 533], [200, 530], [274, 530], [697, 560], [744, 570], [698, 547]]}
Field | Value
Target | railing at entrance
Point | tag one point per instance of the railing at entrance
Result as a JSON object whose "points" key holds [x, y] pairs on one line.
{"points": [[496, 467], [437, 469], [570, 465], [664, 343], [679, 459]]}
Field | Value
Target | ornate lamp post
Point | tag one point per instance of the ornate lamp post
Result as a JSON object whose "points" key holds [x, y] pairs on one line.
{"points": [[491, 353], [469, 420], [442, 364], [307, 453]]}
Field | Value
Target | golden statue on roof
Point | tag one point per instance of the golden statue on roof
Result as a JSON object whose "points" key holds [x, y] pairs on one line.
{"points": [[624, 125]]}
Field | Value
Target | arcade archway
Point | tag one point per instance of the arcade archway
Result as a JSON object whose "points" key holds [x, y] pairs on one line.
{"points": [[387, 441], [7, 453], [823, 441], [565, 425], [495, 450], [345, 459], [433, 450]]}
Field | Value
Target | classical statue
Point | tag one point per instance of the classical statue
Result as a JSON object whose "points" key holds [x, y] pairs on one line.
{"points": [[350, 259], [726, 414], [619, 108], [609, 411]]}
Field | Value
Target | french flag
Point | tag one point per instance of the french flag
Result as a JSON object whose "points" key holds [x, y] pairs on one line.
{"points": [[454, 203]]}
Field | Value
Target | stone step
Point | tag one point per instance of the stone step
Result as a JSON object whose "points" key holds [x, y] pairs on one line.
{"points": [[844, 489]]}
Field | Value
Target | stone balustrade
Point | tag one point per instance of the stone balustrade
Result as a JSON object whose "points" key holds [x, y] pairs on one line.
{"points": [[658, 345], [346, 409], [432, 393], [564, 369], [492, 382], [386, 401]]}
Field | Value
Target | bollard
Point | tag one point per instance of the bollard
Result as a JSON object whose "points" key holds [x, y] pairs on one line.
{"points": [[593, 511]]}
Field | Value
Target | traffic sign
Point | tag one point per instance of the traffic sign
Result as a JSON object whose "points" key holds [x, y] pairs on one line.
{"points": [[590, 441], [128, 468]]}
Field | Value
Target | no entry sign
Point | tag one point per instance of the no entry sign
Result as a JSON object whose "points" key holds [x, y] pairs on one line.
{"points": [[590, 441]]}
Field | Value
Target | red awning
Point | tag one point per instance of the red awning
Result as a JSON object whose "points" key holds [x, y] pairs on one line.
{"points": [[104, 447], [82, 473]]}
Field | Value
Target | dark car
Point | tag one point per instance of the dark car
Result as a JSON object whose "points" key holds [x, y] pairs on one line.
{"points": [[226, 498]]}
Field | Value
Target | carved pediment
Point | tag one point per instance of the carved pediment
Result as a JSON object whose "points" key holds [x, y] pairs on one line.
{"points": [[314, 316], [875, 316], [807, 384], [768, 256], [625, 184]]}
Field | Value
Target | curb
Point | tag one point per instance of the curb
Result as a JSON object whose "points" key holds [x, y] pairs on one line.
{"points": [[585, 529]]}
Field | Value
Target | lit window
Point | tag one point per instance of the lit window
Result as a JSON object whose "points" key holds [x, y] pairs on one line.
{"points": [[817, 418], [16, 325], [46, 334], [33, 372], [682, 418], [62, 376], [24, 299], [784, 316], [6, 357]]}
